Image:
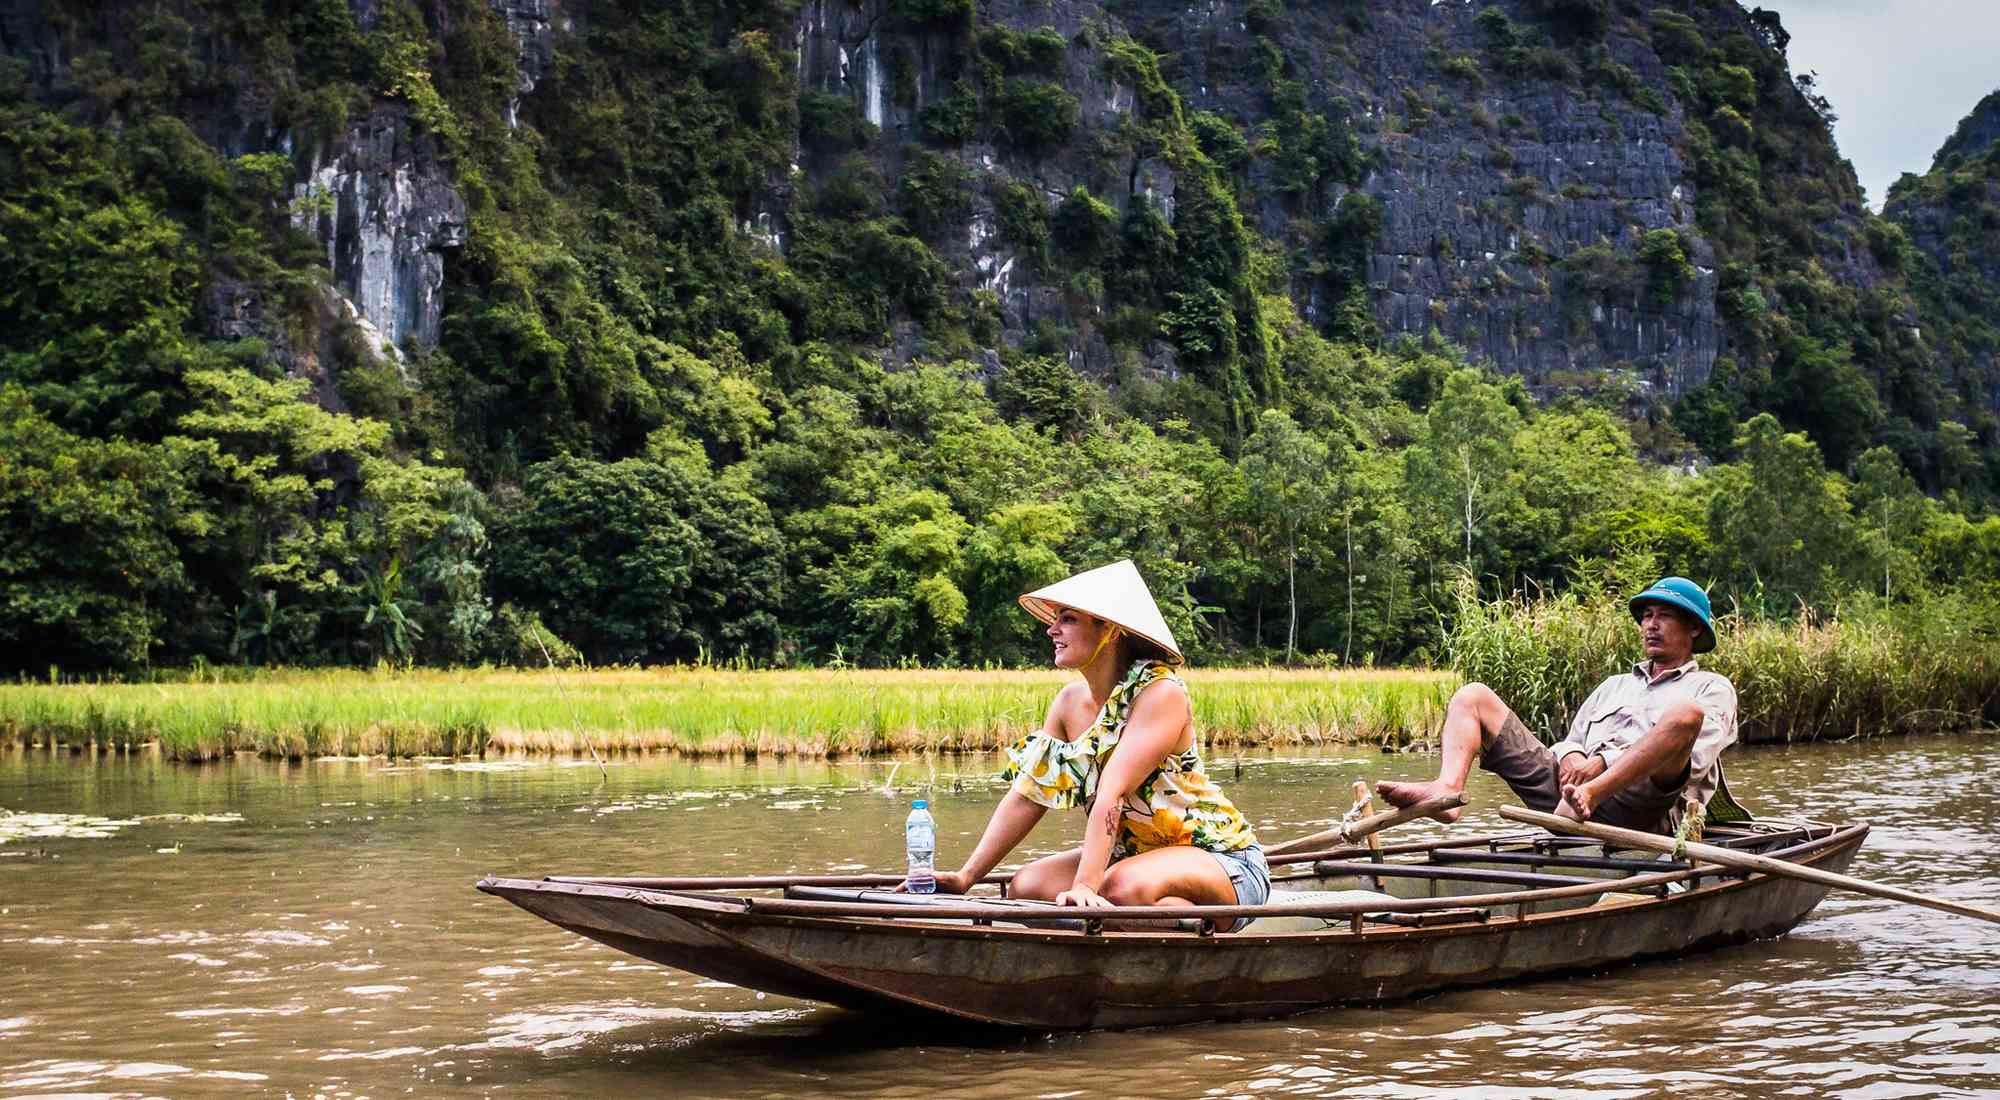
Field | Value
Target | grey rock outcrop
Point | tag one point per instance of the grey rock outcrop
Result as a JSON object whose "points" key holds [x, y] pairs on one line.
{"points": [[382, 202], [535, 25], [386, 211]]}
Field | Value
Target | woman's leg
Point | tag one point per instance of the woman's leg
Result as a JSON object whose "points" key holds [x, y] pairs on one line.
{"points": [[1046, 877], [1180, 875]]}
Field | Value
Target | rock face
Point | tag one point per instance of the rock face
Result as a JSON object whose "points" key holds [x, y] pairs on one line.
{"points": [[386, 211], [1488, 182], [534, 24], [1977, 133], [1952, 218], [1516, 202]]}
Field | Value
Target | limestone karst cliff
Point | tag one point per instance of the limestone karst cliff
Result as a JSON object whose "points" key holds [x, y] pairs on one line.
{"points": [[1594, 195], [1951, 218]]}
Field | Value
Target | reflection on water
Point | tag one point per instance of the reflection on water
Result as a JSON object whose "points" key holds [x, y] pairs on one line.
{"points": [[311, 929]]}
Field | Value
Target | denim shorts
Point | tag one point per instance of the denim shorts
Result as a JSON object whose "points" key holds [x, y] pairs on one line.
{"points": [[1249, 874]]}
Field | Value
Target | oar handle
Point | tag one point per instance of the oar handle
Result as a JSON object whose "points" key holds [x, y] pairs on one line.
{"points": [[1742, 861]]}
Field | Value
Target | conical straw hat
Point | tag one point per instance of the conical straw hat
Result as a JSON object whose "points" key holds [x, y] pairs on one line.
{"points": [[1115, 593]]}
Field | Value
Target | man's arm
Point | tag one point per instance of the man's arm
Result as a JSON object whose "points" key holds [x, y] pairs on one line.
{"points": [[1717, 700], [1574, 761], [1660, 755]]}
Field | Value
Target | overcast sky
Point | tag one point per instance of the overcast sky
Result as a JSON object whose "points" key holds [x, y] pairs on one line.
{"points": [[1900, 74]]}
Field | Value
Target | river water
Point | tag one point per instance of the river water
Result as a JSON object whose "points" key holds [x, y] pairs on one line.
{"points": [[311, 930]]}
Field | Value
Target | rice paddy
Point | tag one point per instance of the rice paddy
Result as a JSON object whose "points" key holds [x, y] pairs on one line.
{"points": [[691, 711]]}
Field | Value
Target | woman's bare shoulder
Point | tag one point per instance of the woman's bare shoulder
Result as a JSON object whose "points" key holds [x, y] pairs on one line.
{"points": [[1168, 690], [1070, 699]]}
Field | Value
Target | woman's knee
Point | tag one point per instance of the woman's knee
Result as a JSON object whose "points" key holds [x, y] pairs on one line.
{"points": [[1043, 879], [1125, 886]]}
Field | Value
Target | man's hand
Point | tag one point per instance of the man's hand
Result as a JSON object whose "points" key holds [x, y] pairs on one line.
{"points": [[948, 882], [1079, 894], [1577, 802], [1576, 769]]}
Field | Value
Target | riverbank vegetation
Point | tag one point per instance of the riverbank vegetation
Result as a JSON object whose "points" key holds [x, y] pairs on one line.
{"points": [[699, 712], [1872, 668]]}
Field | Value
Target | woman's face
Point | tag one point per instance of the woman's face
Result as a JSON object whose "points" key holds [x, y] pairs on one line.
{"points": [[1076, 637]]}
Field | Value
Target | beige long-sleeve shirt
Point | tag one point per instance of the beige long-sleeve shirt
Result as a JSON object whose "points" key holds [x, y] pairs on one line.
{"points": [[1624, 707]]}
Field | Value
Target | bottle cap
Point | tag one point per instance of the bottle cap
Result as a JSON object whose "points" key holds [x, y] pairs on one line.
{"points": [[919, 804]]}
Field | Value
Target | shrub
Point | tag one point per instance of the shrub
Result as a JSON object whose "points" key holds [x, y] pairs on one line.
{"points": [[1464, 67], [1047, 392], [1022, 216], [831, 123], [934, 194], [1676, 38], [1668, 271], [1035, 116], [1086, 229], [1219, 140], [951, 120]]}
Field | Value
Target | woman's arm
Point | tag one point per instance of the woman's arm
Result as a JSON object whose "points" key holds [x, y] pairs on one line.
{"points": [[1152, 732], [1011, 822], [1013, 819]]}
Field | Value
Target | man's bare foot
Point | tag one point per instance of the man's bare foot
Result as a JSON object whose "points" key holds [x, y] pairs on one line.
{"points": [[1403, 795], [1577, 803]]}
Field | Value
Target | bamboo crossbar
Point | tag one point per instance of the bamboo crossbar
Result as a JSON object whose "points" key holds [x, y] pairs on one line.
{"points": [[779, 882], [974, 911]]}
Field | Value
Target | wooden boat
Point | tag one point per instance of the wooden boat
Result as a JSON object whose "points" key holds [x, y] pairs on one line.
{"points": [[1345, 926]]}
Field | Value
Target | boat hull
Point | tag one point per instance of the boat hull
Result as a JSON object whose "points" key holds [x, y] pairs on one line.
{"points": [[1044, 979]]}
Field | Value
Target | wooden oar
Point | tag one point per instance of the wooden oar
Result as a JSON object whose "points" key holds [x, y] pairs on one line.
{"points": [[1372, 824], [1741, 861]]}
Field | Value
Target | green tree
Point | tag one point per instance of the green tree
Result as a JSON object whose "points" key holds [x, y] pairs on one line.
{"points": [[1893, 511], [1463, 467], [637, 561], [1292, 487], [1781, 524], [891, 587], [1015, 550], [89, 555]]}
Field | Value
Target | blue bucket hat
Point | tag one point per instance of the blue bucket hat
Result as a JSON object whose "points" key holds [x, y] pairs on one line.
{"points": [[1684, 594]]}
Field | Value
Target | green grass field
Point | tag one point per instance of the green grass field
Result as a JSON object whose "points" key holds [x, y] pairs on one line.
{"points": [[691, 711]]}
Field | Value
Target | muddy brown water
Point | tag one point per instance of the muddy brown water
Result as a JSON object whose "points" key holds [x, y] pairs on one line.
{"points": [[311, 930]]}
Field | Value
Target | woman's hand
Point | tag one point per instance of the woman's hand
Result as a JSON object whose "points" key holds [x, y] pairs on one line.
{"points": [[948, 882], [1082, 895]]}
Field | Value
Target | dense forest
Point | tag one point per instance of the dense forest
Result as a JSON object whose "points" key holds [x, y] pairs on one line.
{"points": [[710, 372]]}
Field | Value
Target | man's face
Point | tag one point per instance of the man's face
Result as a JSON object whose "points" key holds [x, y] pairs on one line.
{"points": [[1666, 634]]}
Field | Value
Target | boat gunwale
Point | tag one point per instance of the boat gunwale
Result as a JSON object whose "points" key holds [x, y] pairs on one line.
{"points": [[706, 907], [772, 882]]}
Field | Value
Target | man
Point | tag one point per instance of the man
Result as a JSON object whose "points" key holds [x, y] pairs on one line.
{"points": [[1645, 742]]}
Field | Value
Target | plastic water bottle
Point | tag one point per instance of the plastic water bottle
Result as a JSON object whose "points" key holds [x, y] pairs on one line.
{"points": [[920, 836]]}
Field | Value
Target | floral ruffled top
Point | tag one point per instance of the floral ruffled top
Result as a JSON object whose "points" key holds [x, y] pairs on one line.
{"points": [[1176, 804]]}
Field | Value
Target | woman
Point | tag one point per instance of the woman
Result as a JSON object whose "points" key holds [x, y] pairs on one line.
{"points": [[1119, 741]]}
